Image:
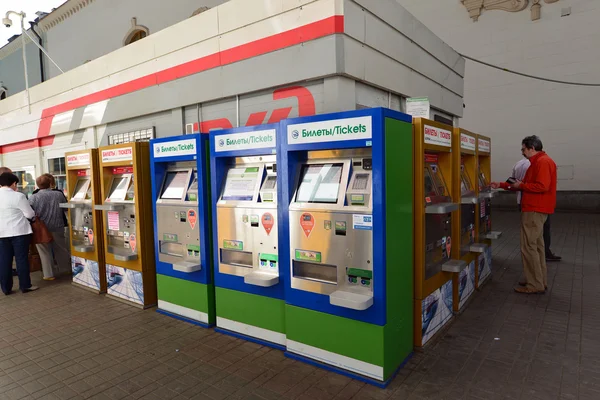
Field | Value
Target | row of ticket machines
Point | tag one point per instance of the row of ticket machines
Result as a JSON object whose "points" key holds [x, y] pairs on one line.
{"points": [[345, 239]]}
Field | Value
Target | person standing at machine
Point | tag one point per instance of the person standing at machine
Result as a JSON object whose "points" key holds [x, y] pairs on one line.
{"points": [[519, 171], [15, 234], [2, 171], [538, 200], [46, 203]]}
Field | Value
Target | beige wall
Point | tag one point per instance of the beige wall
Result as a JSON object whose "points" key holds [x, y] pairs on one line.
{"points": [[508, 107]]}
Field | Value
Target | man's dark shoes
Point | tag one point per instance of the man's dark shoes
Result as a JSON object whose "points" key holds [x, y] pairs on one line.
{"points": [[552, 257]]}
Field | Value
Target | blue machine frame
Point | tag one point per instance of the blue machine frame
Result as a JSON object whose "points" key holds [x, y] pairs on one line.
{"points": [[291, 156], [158, 166], [218, 168]]}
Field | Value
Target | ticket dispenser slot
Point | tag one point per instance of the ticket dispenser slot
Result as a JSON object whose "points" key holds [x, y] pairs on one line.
{"points": [[177, 216], [246, 217], [82, 217], [438, 222], [120, 215], [331, 237]]}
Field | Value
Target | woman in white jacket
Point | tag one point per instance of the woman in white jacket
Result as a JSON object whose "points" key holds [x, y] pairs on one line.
{"points": [[15, 234]]}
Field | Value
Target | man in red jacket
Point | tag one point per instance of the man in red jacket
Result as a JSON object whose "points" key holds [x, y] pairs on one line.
{"points": [[538, 200]]}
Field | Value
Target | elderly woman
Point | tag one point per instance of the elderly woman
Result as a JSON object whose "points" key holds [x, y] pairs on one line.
{"points": [[15, 234], [46, 203]]}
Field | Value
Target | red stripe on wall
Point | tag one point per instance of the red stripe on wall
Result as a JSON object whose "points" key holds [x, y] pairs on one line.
{"points": [[325, 27]]}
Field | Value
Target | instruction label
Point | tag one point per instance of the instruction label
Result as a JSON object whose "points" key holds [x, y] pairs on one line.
{"points": [[437, 136], [467, 142], [483, 145], [330, 131], [76, 160], [246, 140], [124, 154], [186, 147], [113, 220], [362, 222]]}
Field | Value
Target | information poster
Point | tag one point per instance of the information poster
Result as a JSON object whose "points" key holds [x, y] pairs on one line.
{"points": [[113, 220], [436, 311]]}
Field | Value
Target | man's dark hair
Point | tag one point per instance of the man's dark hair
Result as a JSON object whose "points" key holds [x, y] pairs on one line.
{"points": [[533, 142], [7, 179]]}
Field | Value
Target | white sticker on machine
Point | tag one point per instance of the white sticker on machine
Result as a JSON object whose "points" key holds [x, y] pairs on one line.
{"points": [[362, 222]]}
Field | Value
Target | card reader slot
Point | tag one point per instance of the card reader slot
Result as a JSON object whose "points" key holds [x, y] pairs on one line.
{"points": [[323, 273], [237, 258]]}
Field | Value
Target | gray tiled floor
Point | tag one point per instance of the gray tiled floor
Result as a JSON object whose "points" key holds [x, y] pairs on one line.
{"points": [[63, 342]]}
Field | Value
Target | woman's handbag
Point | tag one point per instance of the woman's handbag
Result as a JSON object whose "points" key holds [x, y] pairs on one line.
{"points": [[41, 234]]}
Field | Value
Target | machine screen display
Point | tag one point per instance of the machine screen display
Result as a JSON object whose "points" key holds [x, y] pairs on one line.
{"points": [[482, 181], [175, 185], [429, 185], [439, 180], [130, 191], [270, 182], [80, 191], [319, 183], [465, 184], [240, 183], [360, 182], [118, 188]]}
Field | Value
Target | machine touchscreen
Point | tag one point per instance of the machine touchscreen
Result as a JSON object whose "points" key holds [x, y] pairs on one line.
{"points": [[118, 189], [430, 189], [465, 184], [319, 183], [81, 189], [439, 181], [240, 184], [175, 185]]}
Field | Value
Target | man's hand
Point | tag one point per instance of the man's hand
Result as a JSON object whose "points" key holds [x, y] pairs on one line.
{"points": [[517, 184], [495, 185]]}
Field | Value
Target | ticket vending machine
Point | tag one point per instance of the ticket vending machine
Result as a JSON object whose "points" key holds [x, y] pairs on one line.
{"points": [[180, 199], [435, 261], [249, 282], [126, 205], [464, 147], [347, 239], [87, 251], [485, 234]]}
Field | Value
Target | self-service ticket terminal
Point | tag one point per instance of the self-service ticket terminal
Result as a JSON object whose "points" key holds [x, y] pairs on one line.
{"points": [[128, 230], [435, 261], [347, 239], [485, 234], [87, 252], [249, 282], [464, 223], [182, 230]]}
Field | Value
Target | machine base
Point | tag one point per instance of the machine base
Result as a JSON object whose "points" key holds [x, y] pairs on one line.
{"points": [[352, 375], [251, 315], [185, 313], [184, 319], [250, 338], [86, 273]]}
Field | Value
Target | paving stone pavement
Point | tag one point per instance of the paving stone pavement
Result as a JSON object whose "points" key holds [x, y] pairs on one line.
{"points": [[63, 342]]}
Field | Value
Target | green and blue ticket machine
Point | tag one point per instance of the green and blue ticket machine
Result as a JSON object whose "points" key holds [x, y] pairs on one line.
{"points": [[347, 240], [181, 207]]}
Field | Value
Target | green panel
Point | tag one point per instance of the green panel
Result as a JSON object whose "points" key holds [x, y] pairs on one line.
{"points": [[269, 257], [398, 340], [347, 337], [193, 295], [251, 309], [209, 216]]}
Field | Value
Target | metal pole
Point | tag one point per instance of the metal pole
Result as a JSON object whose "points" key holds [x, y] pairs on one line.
{"points": [[22, 16], [43, 50]]}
